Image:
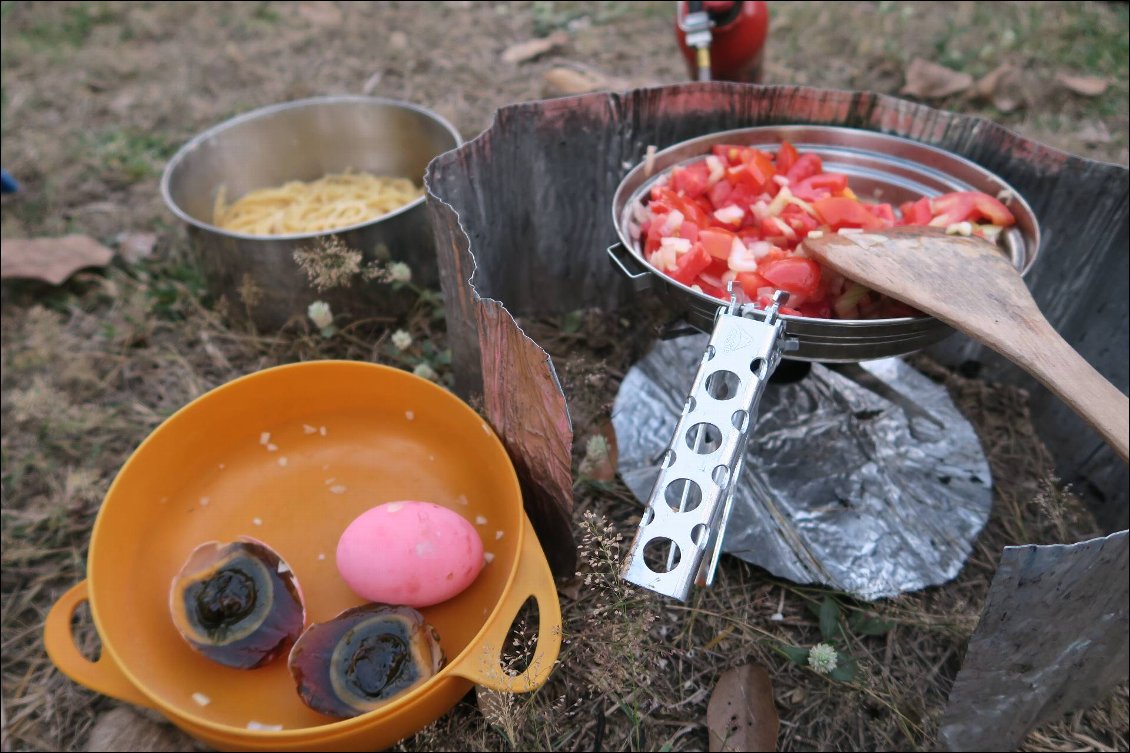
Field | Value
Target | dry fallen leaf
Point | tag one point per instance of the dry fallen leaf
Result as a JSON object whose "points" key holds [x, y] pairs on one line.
{"points": [[741, 715], [1088, 86], [321, 13], [601, 453], [532, 48], [52, 260], [567, 80], [1002, 86], [134, 247], [1094, 132], [927, 80]]}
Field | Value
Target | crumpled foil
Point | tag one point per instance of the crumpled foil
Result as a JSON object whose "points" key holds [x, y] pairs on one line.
{"points": [[864, 478]]}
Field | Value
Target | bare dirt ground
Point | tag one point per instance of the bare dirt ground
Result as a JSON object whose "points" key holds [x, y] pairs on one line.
{"points": [[95, 98]]}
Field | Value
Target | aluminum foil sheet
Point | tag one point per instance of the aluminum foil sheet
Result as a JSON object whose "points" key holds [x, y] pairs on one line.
{"points": [[1056, 620], [865, 478]]}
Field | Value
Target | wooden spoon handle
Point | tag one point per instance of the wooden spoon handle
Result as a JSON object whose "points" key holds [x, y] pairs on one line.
{"points": [[1048, 357]]}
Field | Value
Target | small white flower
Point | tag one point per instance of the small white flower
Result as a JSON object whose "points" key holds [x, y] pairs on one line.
{"points": [[401, 339], [398, 271], [425, 371], [822, 658], [319, 313]]}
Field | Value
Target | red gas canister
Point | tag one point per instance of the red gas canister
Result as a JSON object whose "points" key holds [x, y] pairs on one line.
{"points": [[729, 36]]}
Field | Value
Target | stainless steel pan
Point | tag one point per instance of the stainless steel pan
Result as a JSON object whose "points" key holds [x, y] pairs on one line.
{"points": [[687, 511]]}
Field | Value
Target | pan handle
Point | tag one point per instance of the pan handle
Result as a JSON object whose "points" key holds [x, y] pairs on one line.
{"points": [[689, 506], [622, 258], [532, 578], [104, 675]]}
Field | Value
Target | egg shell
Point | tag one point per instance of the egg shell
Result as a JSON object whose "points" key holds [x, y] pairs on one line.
{"points": [[410, 553]]}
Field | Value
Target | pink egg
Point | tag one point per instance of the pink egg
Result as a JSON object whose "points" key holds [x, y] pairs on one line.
{"points": [[410, 553]]}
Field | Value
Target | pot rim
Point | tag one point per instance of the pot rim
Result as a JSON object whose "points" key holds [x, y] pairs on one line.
{"points": [[341, 726], [263, 112]]}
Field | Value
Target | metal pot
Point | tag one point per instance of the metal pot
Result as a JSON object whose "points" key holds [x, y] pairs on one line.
{"points": [[881, 167], [305, 140]]}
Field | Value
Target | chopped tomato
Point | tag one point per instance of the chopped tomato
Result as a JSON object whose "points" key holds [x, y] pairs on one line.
{"points": [[885, 213], [806, 166], [775, 227], [816, 309], [688, 230], [799, 220], [798, 276], [728, 153], [838, 212], [691, 180], [786, 157], [713, 223], [743, 195], [916, 212], [962, 206], [669, 200], [719, 192], [751, 283], [654, 236], [718, 268], [759, 166], [689, 265], [717, 242], [819, 186]]}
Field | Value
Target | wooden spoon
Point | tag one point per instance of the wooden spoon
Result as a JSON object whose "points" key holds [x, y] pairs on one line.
{"points": [[969, 284]]}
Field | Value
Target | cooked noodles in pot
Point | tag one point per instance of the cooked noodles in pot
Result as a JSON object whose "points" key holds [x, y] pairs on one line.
{"points": [[330, 203]]}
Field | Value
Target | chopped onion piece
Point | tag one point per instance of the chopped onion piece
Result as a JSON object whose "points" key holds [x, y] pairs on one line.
{"points": [[846, 304], [960, 228], [678, 245], [991, 233], [741, 258], [760, 248], [815, 234], [640, 212], [731, 215], [717, 169], [664, 258], [781, 180], [760, 209], [673, 222], [780, 201]]}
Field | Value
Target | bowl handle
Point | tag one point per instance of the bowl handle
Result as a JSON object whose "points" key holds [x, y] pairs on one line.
{"points": [[532, 578], [103, 675]]}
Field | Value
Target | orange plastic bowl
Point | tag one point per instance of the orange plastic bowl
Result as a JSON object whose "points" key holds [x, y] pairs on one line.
{"points": [[290, 456]]}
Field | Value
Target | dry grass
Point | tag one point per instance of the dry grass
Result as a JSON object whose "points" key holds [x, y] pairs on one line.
{"points": [[97, 95]]}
